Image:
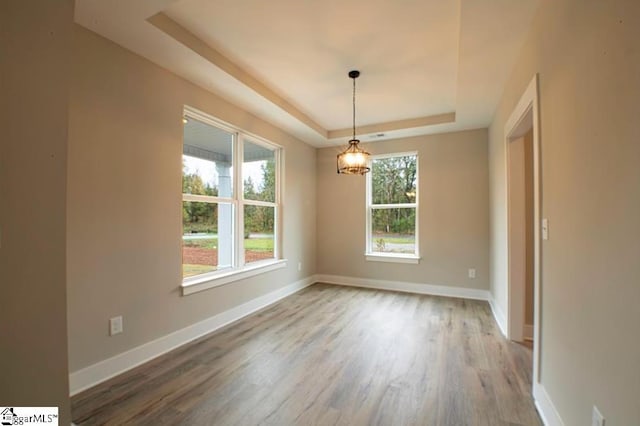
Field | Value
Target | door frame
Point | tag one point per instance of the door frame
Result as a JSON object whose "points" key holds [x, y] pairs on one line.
{"points": [[526, 115]]}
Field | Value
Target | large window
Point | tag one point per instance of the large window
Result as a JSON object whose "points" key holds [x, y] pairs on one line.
{"points": [[230, 200], [392, 208]]}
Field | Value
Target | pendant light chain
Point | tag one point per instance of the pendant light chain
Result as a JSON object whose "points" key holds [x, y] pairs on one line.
{"points": [[354, 108]]}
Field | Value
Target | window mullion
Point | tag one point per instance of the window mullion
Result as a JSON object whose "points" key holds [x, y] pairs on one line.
{"points": [[206, 198], [239, 196], [259, 203], [394, 206]]}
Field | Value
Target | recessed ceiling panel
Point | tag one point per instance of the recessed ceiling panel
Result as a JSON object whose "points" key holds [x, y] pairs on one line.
{"points": [[407, 52]]}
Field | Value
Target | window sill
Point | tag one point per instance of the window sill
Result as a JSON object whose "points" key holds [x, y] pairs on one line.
{"points": [[200, 283], [392, 258]]}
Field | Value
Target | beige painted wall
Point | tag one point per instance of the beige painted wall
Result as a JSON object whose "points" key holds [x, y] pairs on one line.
{"points": [[35, 47], [588, 57], [454, 221], [124, 203]]}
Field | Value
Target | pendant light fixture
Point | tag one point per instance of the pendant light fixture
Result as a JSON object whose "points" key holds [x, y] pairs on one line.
{"points": [[353, 160]]}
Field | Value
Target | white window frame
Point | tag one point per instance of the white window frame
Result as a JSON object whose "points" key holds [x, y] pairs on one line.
{"points": [[239, 269], [370, 255]]}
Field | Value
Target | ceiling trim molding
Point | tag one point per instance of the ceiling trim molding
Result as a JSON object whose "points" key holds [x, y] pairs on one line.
{"points": [[174, 30], [389, 126]]}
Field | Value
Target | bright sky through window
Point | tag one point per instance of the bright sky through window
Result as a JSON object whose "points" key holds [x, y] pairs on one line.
{"points": [[209, 175]]}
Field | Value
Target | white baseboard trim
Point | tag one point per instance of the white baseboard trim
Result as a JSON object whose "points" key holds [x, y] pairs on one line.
{"points": [[499, 315], [528, 332], [406, 287], [111, 367], [545, 407]]}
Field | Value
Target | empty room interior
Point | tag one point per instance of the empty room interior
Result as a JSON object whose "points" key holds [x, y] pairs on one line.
{"points": [[297, 212]]}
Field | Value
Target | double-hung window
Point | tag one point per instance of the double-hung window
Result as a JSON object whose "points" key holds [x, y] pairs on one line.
{"points": [[392, 208], [230, 203]]}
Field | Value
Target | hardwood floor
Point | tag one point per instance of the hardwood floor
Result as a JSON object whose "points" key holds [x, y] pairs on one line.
{"points": [[332, 355]]}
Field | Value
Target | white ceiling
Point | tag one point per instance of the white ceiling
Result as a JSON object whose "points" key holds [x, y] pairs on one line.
{"points": [[427, 66]]}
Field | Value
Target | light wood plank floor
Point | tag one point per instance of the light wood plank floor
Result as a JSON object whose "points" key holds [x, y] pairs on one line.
{"points": [[332, 355]]}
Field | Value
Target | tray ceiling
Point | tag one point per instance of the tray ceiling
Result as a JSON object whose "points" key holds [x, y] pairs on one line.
{"points": [[427, 66]]}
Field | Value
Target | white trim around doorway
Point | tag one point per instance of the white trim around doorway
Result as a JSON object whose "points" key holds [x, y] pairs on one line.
{"points": [[528, 109]]}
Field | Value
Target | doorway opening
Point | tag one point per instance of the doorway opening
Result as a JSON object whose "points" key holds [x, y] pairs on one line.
{"points": [[522, 148], [520, 196]]}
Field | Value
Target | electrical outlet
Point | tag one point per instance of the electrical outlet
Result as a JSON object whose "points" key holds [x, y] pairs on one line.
{"points": [[115, 325], [596, 418], [472, 273], [299, 266]]}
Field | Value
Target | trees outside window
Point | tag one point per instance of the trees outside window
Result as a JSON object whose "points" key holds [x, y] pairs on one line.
{"points": [[226, 229], [392, 205], [259, 200]]}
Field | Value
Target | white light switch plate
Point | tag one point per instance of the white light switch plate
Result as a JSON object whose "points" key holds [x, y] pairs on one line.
{"points": [[545, 229]]}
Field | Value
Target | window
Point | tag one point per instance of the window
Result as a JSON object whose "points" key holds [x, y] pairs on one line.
{"points": [[230, 202], [392, 208]]}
